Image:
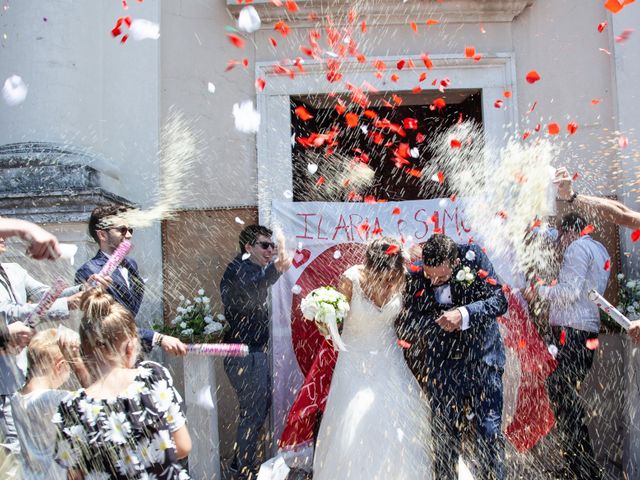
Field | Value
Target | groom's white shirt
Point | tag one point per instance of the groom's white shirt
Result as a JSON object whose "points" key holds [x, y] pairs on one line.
{"points": [[443, 297]]}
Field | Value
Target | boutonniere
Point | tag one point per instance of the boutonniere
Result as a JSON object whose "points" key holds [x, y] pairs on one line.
{"points": [[465, 276]]}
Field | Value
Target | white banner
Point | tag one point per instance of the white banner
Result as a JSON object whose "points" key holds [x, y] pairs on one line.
{"points": [[328, 238]]}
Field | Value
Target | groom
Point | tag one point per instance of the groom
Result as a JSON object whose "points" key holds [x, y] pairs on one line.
{"points": [[456, 352]]}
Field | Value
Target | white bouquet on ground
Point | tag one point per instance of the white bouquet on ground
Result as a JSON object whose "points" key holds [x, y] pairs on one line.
{"points": [[327, 307]]}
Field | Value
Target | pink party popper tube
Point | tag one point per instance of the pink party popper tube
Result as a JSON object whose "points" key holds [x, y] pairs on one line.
{"points": [[116, 258], [219, 349], [46, 301]]}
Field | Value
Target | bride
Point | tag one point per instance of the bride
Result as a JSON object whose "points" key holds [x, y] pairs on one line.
{"points": [[375, 424]]}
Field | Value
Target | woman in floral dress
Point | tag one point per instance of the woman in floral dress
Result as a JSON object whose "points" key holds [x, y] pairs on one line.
{"points": [[128, 424]]}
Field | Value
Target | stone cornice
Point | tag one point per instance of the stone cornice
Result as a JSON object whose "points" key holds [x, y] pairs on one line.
{"points": [[389, 12]]}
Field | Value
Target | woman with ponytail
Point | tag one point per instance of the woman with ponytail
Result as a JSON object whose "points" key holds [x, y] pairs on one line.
{"points": [[129, 423]]}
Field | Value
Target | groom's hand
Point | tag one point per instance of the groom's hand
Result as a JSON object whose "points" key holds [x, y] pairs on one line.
{"points": [[450, 321]]}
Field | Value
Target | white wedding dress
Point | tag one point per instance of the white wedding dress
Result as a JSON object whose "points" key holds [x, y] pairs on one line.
{"points": [[376, 422]]}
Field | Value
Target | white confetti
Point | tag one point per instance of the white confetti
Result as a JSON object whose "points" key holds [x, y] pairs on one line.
{"points": [[287, 194], [68, 251], [364, 129], [14, 91], [296, 289], [239, 220], [553, 350], [211, 87], [443, 201], [337, 254], [249, 20], [245, 256], [414, 152], [312, 168], [142, 29], [247, 119], [204, 399]]}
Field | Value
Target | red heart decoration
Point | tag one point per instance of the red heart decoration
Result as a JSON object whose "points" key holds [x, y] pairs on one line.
{"points": [[301, 257]]}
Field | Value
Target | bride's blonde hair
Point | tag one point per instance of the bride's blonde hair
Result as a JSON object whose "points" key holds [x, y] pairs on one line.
{"points": [[105, 327]]}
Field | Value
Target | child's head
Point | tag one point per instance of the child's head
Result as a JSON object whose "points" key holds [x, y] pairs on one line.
{"points": [[45, 358], [108, 334]]}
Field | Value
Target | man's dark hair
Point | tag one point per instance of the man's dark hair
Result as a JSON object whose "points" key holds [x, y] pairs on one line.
{"points": [[573, 222], [250, 233], [438, 250], [98, 216]]}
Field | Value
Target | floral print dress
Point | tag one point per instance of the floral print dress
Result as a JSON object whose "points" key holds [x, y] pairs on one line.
{"points": [[128, 437]]}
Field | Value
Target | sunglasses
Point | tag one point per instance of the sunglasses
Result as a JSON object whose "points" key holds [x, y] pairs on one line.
{"points": [[122, 230], [265, 245]]}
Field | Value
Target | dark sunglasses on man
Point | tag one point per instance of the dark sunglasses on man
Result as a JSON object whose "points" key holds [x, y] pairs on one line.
{"points": [[122, 230], [266, 245]]}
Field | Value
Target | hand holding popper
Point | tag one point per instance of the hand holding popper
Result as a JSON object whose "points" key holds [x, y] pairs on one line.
{"points": [[45, 302]]}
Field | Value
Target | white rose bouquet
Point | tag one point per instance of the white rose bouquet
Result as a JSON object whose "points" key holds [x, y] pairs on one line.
{"points": [[195, 321], [629, 296], [328, 308]]}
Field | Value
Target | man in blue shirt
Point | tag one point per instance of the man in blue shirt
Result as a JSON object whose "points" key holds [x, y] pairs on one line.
{"points": [[244, 289]]}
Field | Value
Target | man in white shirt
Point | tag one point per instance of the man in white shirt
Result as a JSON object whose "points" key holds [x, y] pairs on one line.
{"points": [[575, 322]]}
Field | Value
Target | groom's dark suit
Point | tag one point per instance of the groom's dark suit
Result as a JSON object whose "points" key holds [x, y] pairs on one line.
{"points": [[462, 367]]}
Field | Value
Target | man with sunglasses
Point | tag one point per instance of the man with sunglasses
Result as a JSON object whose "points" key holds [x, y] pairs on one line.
{"points": [[127, 287], [244, 289]]}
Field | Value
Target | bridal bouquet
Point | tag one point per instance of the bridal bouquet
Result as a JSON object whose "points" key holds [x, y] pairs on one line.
{"points": [[328, 308]]}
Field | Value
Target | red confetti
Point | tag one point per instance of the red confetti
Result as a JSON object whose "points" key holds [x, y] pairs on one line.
{"points": [[623, 141], [624, 36], [469, 52], [392, 250], [352, 119], [532, 76], [400, 64], [363, 27], [236, 40], [410, 123], [363, 228], [431, 21], [439, 103], [415, 268], [483, 273], [507, 94], [575, 176], [260, 84], [492, 281], [498, 104], [635, 235], [320, 181], [394, 77], [419, 293], [273, 41], [124, 38], [586, 230], [455, 143], [595, 101], [282, 27], [292, 6], [607, 265], [427, 61], [563, 337], [414, 26], [593, 343], [440, 177], [553, 129], [302, 113], [403, 344], [602, 26], [572, 127]]}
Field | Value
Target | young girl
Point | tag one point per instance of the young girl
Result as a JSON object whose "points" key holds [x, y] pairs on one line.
{"points": [[51, 356], [129, 423]]}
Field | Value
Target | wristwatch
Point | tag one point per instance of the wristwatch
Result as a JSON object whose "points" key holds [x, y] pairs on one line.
{"points": [[574, 195]]}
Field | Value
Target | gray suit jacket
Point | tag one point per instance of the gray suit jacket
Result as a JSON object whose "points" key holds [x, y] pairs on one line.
{"points": [[14, 307]]}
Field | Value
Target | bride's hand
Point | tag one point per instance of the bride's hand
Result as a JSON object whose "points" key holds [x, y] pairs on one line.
{"points": [[323, 329]]}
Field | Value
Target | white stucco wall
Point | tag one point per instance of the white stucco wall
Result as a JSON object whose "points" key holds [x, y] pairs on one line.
{"points": [[88, 90]]}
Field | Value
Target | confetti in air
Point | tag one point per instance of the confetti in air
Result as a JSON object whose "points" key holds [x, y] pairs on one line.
{"points": [[142, 29], [249, 20], [246, 118], [14, 90], [178, 156]]}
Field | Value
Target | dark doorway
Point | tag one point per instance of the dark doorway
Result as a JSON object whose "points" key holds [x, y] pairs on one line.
{"points": [[391, 137]]}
